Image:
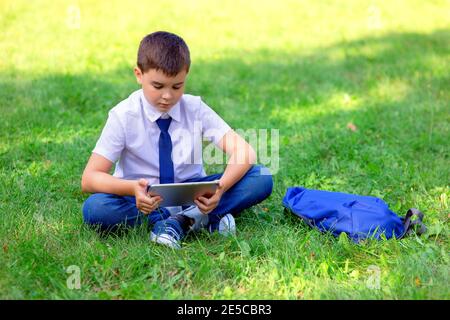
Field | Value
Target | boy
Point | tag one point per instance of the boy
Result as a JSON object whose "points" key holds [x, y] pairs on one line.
{"points": [[153, 136]]}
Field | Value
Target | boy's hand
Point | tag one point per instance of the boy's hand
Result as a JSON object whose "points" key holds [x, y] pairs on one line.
{"points": [[144, 202], [206, 205]]}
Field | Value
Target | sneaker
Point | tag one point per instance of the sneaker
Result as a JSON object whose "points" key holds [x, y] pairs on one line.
{"points": [[169, 232], [226, 226], [200, 219], [174, 210]]}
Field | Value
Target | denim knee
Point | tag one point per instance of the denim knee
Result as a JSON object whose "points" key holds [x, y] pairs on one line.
{"points": [[93, 209], [264, 181], [258, 181]]}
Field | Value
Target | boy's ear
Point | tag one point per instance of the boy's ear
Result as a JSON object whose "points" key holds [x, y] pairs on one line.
{"points": [[138, 74]]}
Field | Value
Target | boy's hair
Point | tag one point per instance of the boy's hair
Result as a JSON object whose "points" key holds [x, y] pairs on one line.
{"points": [[163, 51]]}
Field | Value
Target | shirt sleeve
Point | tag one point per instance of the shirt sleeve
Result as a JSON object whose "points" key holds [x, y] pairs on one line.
{"points": [[112, 140], [213, 126]]}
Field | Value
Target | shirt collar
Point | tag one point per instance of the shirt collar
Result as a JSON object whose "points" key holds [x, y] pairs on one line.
{"points": [[154, 114]]}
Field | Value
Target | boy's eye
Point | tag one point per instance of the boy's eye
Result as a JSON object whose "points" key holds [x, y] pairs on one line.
{"points": [[160, 87]]}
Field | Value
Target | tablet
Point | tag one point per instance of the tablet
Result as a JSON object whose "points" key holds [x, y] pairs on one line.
{"points": [[182, 194]]}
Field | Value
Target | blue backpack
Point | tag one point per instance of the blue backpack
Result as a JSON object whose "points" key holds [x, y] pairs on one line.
{"points": [[360, 217]]}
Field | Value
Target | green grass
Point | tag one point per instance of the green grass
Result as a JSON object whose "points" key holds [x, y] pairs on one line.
{"points": [[305, 68]]}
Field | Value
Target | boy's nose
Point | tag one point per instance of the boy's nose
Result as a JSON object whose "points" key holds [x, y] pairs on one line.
{"points": [[166, 95]]}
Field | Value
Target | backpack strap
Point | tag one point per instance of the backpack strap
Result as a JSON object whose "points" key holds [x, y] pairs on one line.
{"points": [[413, 225]]}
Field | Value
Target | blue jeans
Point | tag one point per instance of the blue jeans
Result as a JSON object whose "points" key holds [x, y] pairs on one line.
{"points": [[109, 211]]}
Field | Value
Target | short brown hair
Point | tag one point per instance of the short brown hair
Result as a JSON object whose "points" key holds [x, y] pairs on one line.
{"points": [[163, 51]]}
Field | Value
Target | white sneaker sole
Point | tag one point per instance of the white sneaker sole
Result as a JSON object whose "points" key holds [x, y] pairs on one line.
{"points": [[165, 239], [227, 225]]}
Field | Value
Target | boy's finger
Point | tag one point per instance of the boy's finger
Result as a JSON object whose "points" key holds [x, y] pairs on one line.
{"points": [[200, 205], [204, 200], [145, 205], [145, 209], [150, 202], [156, 198], [143, 183], [145, 202]]}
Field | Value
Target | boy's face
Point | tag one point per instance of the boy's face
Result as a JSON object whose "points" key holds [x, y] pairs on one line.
{"points": [[162, 91]]}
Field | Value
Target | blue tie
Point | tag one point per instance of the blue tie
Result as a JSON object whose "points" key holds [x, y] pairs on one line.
{"points": [[166, 174]]}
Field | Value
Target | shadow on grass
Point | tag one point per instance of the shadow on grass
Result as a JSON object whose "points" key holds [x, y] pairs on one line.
{"points": [[392, 88]]}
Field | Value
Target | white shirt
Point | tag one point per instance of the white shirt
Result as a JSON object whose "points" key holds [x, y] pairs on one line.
{"points": [[130, 137]]}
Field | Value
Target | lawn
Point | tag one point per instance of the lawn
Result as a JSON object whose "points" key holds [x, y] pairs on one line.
{"points": [[359, 91]]}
